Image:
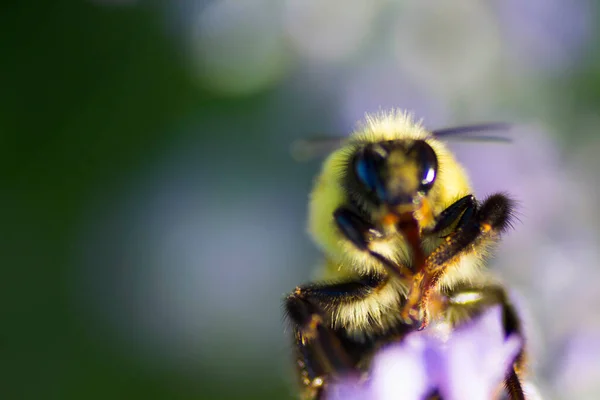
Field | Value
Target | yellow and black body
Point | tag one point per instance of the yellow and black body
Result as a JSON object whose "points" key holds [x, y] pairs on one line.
{"points": [[405, 243]]}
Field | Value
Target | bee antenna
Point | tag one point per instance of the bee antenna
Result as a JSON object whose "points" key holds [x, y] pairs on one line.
{"points": [[458, 133], [307, 149]]}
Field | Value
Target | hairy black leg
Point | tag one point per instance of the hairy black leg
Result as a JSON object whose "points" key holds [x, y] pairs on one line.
{"points": [[489, 219], [513, 385], [477, 224], [356, 229], [319, 348], [465, 206], [473, 301]]}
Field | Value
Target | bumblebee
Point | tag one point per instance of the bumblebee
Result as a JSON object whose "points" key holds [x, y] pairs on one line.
{"points": [[405, 243]]}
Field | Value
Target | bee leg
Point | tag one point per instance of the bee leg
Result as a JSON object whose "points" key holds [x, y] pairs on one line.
{"points": [[357, 230], [465, 207], [513, 386], [471, 301], [477, 224], [319, 347]]}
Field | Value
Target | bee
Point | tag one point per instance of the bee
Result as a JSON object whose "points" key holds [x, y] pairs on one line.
{"points": [[405, 243]]}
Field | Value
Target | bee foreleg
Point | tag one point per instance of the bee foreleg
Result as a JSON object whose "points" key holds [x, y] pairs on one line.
{"points": [[465, 207], [477, 223], [357, 230], [485, 222]]}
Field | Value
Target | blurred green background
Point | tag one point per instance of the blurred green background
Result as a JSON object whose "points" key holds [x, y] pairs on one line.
{"points": [[152, 218]]}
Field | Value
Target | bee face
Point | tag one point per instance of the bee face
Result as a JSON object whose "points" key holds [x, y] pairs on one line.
{"points": [[394, 172]]}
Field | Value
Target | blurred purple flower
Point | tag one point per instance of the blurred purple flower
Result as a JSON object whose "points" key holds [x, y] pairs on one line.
{"points": [[470, 364]]}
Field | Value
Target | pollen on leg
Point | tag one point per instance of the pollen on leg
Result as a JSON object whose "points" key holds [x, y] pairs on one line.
{"points": [[315, 320], [317, 382], [309, 332], [485, 227]]}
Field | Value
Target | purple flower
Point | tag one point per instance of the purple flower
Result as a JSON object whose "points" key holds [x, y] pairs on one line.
{"points": [[470, 364]]}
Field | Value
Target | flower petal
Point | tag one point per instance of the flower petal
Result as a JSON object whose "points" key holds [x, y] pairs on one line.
{"points": [[350, 389], [477, 358], [402, 369]]}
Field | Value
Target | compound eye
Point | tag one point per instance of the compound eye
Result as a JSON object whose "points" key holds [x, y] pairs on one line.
{"points": [[428, 162], [366, 168]]}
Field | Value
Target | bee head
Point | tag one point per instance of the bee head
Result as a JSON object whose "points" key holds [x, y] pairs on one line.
{"points": [[394, 172]]}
